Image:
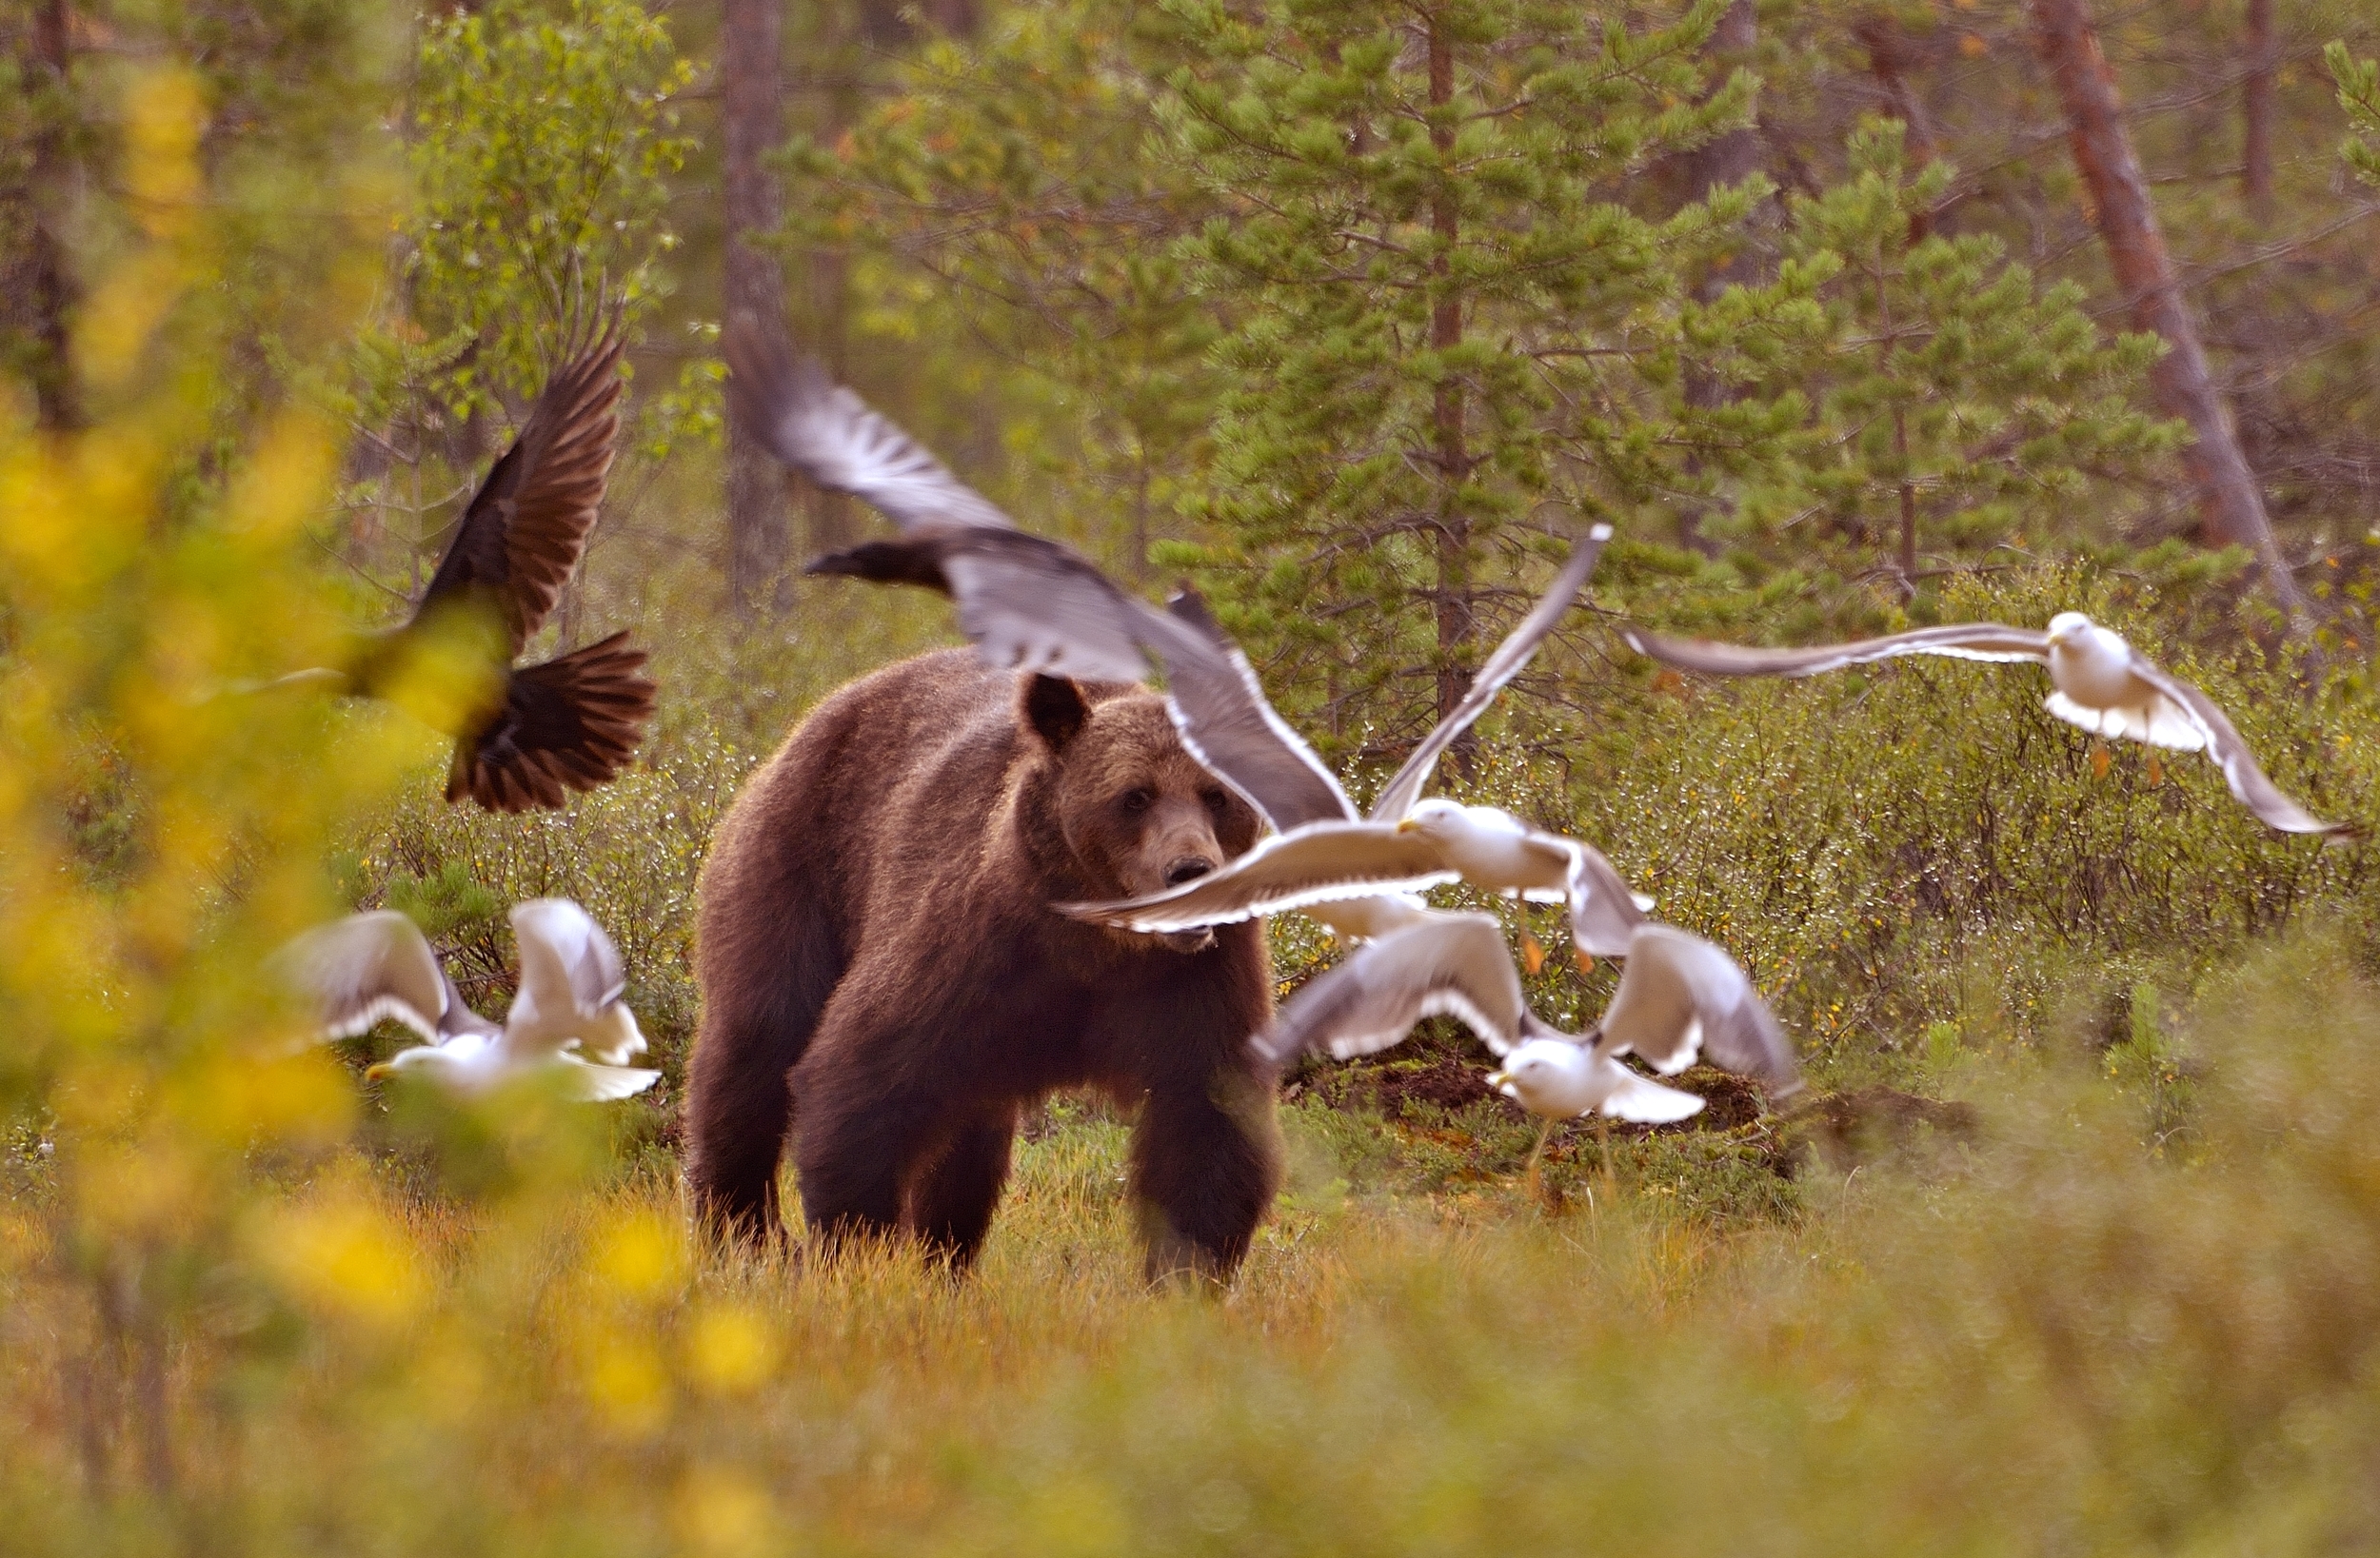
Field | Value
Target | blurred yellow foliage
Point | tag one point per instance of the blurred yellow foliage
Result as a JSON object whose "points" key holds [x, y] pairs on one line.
{"points": [[342, 1257]]}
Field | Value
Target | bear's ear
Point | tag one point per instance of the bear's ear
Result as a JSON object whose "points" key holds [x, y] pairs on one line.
{"points": [[1054, 707]]}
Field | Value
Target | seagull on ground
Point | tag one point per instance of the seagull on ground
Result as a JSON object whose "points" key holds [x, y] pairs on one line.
{"points": [[1679, 998], [568, 1020], [1031, 603], [2101, 682], [528, 734]]}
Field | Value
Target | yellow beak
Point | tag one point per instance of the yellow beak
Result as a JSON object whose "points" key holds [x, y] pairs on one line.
{"points": [[376, 1072], [1409, 825], [1498, 1078]]}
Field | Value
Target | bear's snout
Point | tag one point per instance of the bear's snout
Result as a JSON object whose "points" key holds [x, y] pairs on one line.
{"points": [[1189, 868]]}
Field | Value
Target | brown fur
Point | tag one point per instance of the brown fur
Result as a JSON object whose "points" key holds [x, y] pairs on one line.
{"points": [[877, 952]]}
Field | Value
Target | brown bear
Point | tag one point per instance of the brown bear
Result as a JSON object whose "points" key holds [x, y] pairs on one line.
{"points": [[878, 960]]}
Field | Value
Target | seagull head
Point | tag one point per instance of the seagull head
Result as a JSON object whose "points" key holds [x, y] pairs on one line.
{"points": [[423, 1058], [1435, 817], [445, 1064], [2068, 625], [1534, 1070]]}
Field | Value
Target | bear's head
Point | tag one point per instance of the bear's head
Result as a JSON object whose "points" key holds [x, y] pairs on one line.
{"points": [[1136, 812]]}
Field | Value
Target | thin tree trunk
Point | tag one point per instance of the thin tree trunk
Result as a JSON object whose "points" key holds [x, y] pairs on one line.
{"points": [[2256, 110], [751, 102], [2230, 504], [50, 283], [1727, 160], [828, 522], [1453, 526]]}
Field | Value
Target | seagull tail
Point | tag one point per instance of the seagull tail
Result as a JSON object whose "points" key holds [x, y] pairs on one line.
{"points": [[572, 724]]}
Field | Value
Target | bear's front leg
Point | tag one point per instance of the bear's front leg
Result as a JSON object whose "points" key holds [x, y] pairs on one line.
{"points": [[1206, 1161], [953, 1196], [880, 1095]]}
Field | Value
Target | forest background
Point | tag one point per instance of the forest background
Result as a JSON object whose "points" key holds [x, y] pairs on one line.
{"points": [[1354, 313]]}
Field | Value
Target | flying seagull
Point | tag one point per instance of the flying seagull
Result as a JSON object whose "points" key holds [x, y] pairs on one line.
{"points": [[537, 732], [1680, 996], [567, 1020], [1440, 841], [1029, 603], [2102, 683], [1326, 853]]}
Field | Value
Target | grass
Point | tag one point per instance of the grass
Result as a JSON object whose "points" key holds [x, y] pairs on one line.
{"points": [[2055, 1339]]}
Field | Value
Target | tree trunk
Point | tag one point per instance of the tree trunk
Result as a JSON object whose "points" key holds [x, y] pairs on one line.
{"points": [[752, 105], [1453, 526], [1725, 160], [829, 524], [48, 282], [2230, 504], [2256, 110]]}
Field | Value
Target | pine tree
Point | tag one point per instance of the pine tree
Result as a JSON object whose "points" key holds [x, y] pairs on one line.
{"points": [[1955, 404], [1447, 325], [2359, 94]]}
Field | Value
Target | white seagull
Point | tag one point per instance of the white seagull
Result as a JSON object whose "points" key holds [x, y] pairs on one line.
{"points": [[1680, 996], [2102, 683], [1355, 872], [370, 967]]}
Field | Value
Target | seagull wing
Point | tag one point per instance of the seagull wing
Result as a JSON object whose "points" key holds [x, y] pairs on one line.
{"points": [[833, 437], [1737, 1032], [1962, 641], [568, 963], [2249, 782], [1313, 864], [1232, 728], [1604, 912], [1029, 603], [1641, 1101], [1506, 664], [586, 1082], [366, 968], [460, 1019], [1454, 965], [521, 538]]}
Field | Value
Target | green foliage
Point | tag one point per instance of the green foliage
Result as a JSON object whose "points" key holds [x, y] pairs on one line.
{"points": [[1444, 320], [2359, 94], [546, 142], [447, 900], [1955, 405]]}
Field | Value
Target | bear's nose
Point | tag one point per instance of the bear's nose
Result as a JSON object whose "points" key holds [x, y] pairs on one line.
{"points": [[1189, 868]]}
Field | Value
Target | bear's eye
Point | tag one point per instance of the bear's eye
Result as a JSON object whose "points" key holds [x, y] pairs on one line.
{"points": [[1216, 801], [1139, 801]]}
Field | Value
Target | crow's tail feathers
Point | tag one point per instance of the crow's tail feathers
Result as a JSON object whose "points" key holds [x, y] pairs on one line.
{"points": [[572, 724]]}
